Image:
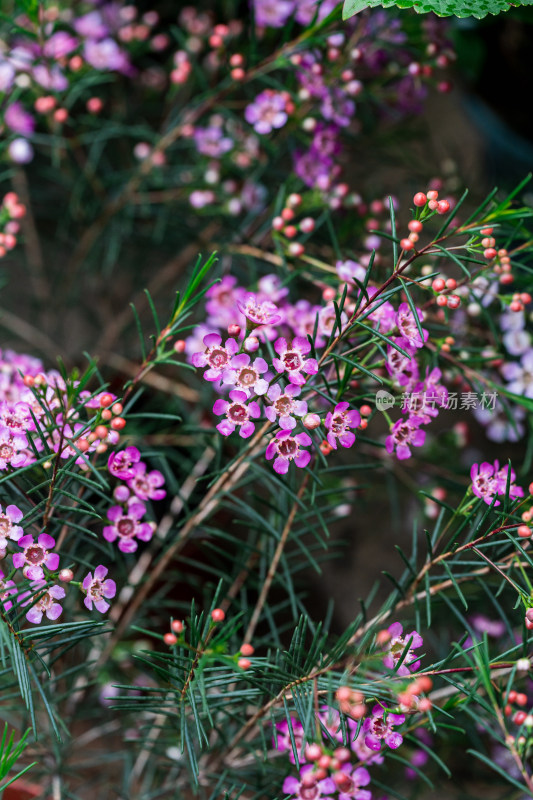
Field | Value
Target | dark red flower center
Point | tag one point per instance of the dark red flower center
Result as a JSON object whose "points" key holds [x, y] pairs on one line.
{"points": [[237, 413], [292, 360], [35, 554], [287, 448], [126, 526], [218, 358], [6, 451]]}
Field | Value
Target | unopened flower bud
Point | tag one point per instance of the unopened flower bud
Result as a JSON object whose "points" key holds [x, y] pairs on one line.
{"points": [[311, 421]]}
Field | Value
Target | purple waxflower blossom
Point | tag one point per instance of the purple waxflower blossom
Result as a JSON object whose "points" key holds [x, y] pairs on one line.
{"points": [[520, 375], [407, 326], [267, 111], [483, 483], [216, 356], [287, 448], [293, 361], [35, 555], [51, 78], [378, 729], [59, 45], [327, 321], [98, 588], [211, 141], [127, 526], [364, 753], [16, 419], [222, 300], [9, 529], [382, 314], [285, 406], [246, 375], [352, 787], [498, 428], [45, 604], [301, 317], [282, 737], [348, 270], [18, 119], [315, 169], [272, 13], [7, 587], [258, 312], [405, 433], [303, 791], [500, 476], [122, 464], [402, 368], [337, 107], [7, 76], [106, 55], [237, 413], [396, 649], [91, 25], [146, 485], [270, 288], [338, 423]]}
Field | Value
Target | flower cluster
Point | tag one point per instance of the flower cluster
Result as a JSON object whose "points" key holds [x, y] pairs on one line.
{"points": [[490, 481]]}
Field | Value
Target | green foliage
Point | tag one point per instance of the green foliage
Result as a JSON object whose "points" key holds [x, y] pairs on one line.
{"points": [[443, 8]]}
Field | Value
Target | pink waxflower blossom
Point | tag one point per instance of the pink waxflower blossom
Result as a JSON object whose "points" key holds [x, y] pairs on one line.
{"points": [[364, 753], [272, 13], [216, 356], [45, 604], [267, 112], [284, 405], [352, 787], [405, 433], [382, 313], [377, 729], [238, 414], [7, 588], [146, 485], [327, 320], [288, 448], [258, 312], [396, 649], [338, 423], [17, 118], [35, 556], [302, 791], [16, 418], [222, 300], [245, 375], [408, 328], [349, 270], [402, 368], [122, 464], [11, 450], [127, 527], [293, 359], [98, 588], [282, 737], [9, 529]]}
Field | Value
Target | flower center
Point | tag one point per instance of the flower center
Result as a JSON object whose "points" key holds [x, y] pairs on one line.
{"points": [[218, 357], [338, 423], [5, 524], [283, 405], [292, 361], [237, 413], [96, 589], [248, 376], [287, 448], [45, 602], [6, 451], [35, 554], [126, 526], [309, 792]]}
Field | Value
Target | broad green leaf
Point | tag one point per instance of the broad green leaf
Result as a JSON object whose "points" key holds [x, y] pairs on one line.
{"points": [[443, 8]]}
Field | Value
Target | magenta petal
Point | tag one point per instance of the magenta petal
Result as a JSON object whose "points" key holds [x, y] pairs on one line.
{"points": [[34, 615], [54, 611], [110, 588], [212, 339], [303, 458], [101, 606], [225, 427], [269, 453], [25, 541], [280, 346], [88, 603], [18, 560], [52, 561], [246, 430], [109, 533], [100, 572], [242, 360], [281, 466], [220, 407], [394, 740], [14, 513], [372, 742], [114, 513], [347, 439]]}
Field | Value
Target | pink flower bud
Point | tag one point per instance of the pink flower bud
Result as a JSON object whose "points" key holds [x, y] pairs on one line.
{"points": [[311, 421]]}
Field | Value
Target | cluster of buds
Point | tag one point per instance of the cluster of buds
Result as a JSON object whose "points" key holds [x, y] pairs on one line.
{"points": [[177, 633], [529, 619], [410, 698], [442, 288], [326, 763], [502, 265], [427, 204], [520, 301], [520, 699], [111, 412], [176, 629], [351, 702], [284, 224]]}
